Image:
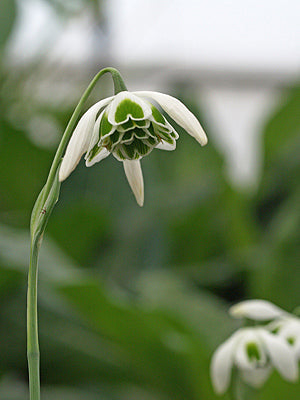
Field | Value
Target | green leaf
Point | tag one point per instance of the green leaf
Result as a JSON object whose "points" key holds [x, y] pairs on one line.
{"points": [[43, 209]]}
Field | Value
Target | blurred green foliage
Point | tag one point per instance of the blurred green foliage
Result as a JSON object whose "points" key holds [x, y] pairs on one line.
{"points": [[133, 302]]}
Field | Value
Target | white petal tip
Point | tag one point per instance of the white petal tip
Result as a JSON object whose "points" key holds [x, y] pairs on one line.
{"points": [[63, 173], [202, 140], [134, 176]]}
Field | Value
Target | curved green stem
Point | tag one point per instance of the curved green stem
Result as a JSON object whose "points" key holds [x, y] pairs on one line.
{"points": [[39, 218], [119, 87]]}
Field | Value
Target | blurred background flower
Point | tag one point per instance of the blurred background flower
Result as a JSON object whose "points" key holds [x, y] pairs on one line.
{"points": [[133, 302]]}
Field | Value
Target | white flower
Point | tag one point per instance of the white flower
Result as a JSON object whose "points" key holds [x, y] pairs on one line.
{"points": [[253, 352], [288, 328], [257, 310], [129, 127]]}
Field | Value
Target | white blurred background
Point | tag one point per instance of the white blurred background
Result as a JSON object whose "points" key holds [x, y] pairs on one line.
{"points": [[236, 55]]}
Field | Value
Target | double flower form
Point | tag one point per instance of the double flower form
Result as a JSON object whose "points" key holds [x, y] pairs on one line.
{"points": [[129, 127]]}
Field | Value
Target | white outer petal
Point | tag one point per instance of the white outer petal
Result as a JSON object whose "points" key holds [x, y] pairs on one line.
{"points": [[95, 137], [134, 176], [179, 113], [80, 139], [258, 310], [221, 364], [281, 354]]}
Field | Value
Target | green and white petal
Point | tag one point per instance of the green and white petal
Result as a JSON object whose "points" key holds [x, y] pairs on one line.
{"points": [[127, 106], [250, 352], [152, 141], [179, 113], [221, 365], [135, 179], [141, 133], [158, 118], [257, 310], [281, 354], [166, 146], [96, 154], [106, 128], [114, 139], [80, 139], [290, 331], [128, 137]]}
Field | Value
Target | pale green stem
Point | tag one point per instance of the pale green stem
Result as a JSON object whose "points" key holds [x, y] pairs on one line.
{"points": [[37, 228], [33, 353], [238, 390]]}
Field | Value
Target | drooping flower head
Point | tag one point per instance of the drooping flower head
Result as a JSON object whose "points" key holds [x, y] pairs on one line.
{"points": [[282, 323], [129, 127], [253, 352]]}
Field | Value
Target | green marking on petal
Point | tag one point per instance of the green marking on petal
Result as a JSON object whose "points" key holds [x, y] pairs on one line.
{"points": [[165, 137], [159, 128], [253, 351], [150, 141], [95, 150], [129, 150], [141, 147], [105, 126], [291, 340], [152, 131], [168, 139], [119, 154], [127, 125], [128, 137], [157, 115], [140, 133], [114, 138], [144, 123], [128, 107]]}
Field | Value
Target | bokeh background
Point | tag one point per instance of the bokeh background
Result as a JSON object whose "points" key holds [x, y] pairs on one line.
{"points": [[133, 302]]}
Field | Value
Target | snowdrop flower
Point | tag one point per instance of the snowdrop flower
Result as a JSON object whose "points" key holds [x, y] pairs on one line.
{"points": [[257, 310], [253, 352], [129, 127], [288, 328]]}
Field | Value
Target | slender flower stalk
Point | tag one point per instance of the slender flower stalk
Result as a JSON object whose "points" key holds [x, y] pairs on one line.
{"points": [[33, 353], [126, 125]]}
